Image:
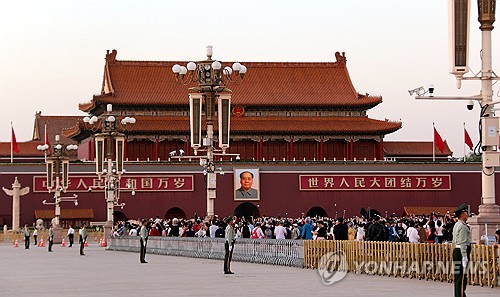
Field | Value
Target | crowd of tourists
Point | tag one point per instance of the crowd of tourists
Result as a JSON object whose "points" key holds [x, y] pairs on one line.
{"points": [[432, 228]]}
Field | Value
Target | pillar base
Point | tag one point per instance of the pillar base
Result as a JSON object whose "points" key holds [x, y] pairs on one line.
{"points": [[488, 221], [108, 229], [57, 234]]}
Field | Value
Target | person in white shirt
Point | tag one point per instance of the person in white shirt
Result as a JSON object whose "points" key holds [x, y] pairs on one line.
{"points": [[412, 233], [280, 231], [35, 234], [360, 233], [213, 229], [71, 236], [132, 232]]}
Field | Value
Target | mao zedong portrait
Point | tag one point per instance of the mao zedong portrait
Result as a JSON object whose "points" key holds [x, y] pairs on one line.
{"points": [[246, 190]]}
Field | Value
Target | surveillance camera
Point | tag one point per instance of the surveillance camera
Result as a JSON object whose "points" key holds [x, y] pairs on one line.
{"points": [[90, 189], [222, 173], [76, 203], [470, 105], [133, 193], [430, 88]]}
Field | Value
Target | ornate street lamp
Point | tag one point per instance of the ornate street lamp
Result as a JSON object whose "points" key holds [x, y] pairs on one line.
{"points": [[57, 164], [110, 140], [212, 79]]}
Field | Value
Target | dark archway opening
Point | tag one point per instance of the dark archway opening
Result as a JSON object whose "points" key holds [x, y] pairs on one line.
{"points": [[175, 212], [247, 210], [317, 212], [119, 216]]}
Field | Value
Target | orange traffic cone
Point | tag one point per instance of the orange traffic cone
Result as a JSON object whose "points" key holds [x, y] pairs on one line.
{"points": [[86, 244], [16, 244], [41, 244], [63, 244]]}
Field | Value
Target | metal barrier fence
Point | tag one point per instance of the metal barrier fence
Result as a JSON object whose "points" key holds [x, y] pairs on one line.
{"points": [[263, 251], [412, 260]]}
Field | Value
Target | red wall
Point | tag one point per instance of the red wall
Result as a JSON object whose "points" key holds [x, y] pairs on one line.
{"points": [[279, 193]]}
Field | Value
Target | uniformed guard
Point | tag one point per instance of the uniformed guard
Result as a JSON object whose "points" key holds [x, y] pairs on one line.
{"points": [[461, 253], [51, 238], [83, 238], [26, 237], [143, 235], [229, 245]]}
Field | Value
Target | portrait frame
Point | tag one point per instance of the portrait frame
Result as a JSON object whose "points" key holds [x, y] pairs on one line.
{"points": [[237, 194]]}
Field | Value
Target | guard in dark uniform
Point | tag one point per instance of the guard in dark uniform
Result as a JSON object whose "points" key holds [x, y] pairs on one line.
{"points": [[83, 238], [143, 234], [229, 245], [461, 252], [26, 237]]}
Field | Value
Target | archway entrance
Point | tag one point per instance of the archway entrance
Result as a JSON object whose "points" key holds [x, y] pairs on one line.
{"points": [[247, 210], [317, 211], [175, 212], [119, 216]]}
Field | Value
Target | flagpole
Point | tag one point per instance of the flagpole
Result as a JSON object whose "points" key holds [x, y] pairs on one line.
{"points": [[11, 145], [464, 142], [433, 143], [45, 141]]}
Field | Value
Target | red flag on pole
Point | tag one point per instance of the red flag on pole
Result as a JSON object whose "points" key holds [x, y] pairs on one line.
{"points": [[438, 141], [467, 139], [14, 146]]}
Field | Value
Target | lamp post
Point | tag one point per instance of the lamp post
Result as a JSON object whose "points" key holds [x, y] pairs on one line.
{"points": [[489, 211], [109, 159], [212, 79], [57, 167]]}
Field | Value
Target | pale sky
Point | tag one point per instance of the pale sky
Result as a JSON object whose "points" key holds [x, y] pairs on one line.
{"points": [[52, 52]]}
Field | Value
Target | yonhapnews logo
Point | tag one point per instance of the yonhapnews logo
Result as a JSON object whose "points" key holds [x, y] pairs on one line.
{"points": [[332, 267]]}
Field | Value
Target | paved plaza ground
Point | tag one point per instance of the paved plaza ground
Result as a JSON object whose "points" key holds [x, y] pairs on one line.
{"points": [[35, 272]]}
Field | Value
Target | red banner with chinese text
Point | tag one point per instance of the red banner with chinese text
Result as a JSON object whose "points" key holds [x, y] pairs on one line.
{"points": [[155, 183], [362, 182]]}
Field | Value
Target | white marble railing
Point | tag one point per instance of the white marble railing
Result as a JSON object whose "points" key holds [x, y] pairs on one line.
{"points": [[264, 251]]}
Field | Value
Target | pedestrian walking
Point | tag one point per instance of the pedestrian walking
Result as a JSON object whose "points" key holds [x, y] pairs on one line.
{"points": [[229, 245], [461, 253], [35, 234], [143, 234], [71, 236], [26, 237], [51, 237], [83, 238]]}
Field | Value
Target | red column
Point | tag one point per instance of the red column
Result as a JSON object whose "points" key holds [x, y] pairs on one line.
{"points": [[260, 155], [347, 152], [321, 154], [92, 149], [291, 148], [351, 144], [350, 155], [380, 150], [157, 149], [187, 148]]}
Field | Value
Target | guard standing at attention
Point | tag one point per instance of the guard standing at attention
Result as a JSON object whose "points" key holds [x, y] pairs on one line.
{"points": [[26, 237], [229, 245], [83, 238], [143, 234], [51, 237], [461, 253]]}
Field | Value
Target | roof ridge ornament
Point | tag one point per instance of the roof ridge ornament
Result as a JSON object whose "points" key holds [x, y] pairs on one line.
{"points": [[341, 59], [111, 57]]}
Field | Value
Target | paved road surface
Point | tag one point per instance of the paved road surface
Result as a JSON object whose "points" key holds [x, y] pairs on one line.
{"points": [[35, 272]]}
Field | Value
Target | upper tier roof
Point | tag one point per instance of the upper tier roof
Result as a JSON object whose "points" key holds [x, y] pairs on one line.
{"points": [[266, 84]]}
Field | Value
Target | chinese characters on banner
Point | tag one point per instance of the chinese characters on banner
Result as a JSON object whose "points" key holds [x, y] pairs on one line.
{"points": [[156, 183], [374, 182]]}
